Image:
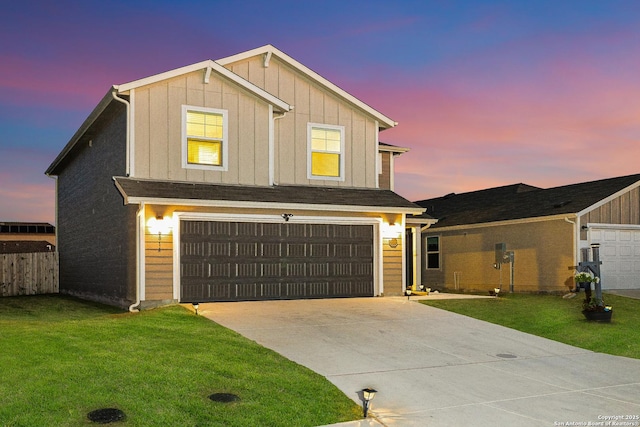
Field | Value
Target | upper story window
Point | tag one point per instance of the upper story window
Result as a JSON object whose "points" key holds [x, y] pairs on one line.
{"points": [[326, 152], [204, 138], [433, 252]]}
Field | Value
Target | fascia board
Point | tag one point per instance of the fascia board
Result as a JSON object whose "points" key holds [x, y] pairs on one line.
{"points": [[93, 116], [398, 150], [122, 192], [268, 205], [388, 122], [506, 222], [420, 221], [608, 199], [208, 64]]}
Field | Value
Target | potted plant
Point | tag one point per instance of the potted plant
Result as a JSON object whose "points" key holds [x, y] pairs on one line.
{"points": [[593, 307]]}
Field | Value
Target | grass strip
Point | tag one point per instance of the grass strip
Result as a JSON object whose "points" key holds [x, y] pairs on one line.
{"points": [[559, 319], [62, 358]]}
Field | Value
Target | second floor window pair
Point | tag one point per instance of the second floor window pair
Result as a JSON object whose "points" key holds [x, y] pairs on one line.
{"points": [[205, 144]]}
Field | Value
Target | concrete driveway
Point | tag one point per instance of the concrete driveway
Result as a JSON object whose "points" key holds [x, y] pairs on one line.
{"points": [[435, 368]]}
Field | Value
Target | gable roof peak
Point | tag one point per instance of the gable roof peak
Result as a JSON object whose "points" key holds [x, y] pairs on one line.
{"points": [[384, 121]]}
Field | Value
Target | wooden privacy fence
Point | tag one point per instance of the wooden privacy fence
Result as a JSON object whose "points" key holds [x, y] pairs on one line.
{"points": [[29, 274]]}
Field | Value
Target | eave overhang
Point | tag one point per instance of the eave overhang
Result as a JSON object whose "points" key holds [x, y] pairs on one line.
{"points": [[276, 197]]}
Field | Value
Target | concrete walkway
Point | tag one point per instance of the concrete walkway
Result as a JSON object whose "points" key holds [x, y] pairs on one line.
{"points": [[436, 368]]}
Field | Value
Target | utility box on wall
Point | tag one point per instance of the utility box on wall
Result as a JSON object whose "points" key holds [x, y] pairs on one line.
{"points": [[501, 248]]}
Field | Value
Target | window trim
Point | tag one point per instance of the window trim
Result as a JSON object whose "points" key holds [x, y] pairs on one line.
{"points": [[310, 127], [224, 165], [427, 252]]}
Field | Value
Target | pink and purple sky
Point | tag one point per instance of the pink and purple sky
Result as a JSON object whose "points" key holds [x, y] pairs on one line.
{"points": [[486, 93]]}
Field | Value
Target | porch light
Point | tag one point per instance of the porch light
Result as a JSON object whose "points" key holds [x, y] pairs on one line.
{"points": [[367, 395], [159, 225], [195, 306], [391, 231]]}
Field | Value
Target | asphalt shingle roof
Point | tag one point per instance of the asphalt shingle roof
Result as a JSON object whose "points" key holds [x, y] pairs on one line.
{"points": [[307, 195], [519, 201]]}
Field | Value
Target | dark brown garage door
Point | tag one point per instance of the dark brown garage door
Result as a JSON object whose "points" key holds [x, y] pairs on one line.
{"points": [[235, 261]]}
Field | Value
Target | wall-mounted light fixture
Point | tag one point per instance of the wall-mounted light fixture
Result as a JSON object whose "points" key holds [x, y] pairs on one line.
{"points": [[159, 225], [367, 396], [391, 233], [286, 216]]}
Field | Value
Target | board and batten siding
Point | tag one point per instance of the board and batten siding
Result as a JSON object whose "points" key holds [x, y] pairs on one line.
{"points": [[624, 210], [312, 104], [158, 130]]}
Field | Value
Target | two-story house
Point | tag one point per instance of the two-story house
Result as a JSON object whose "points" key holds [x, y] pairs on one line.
{"points": [[247, 178]]}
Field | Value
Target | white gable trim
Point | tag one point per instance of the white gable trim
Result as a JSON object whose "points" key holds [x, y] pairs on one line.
{"points": [[608, 199], [385, 121], [207, 66]]}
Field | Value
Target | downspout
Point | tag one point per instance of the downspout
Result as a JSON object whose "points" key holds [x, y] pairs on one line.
{"points": [[133, 308], [127, 105], [576, 239], [272, 139]]}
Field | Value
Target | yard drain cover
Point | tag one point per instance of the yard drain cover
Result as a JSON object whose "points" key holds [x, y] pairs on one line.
{"points": [[106, 415], [224, 397], [507, 355]]}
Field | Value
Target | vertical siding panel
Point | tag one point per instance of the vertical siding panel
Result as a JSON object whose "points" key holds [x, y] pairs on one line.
{"points": [[261, 143], [299, 160], [358, 157], [316, 107], [256, 71], [371, 154], [615, 211], [231, 103], [286, 130], [142, 140], [246, 140], [177, 97], [271, 80], [634, 202], [330, 108], [242, 69], [158, 99], [625, 213]]}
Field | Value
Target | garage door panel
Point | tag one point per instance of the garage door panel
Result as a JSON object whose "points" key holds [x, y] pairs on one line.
{"points": [[620, 255], [248, 261]]}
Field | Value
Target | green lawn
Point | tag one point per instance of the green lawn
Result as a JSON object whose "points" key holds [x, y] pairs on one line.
{"points": [[559, 319], [61, 358]]}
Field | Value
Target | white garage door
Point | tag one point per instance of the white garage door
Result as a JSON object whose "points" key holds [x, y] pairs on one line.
{"points": [[620, 255]]}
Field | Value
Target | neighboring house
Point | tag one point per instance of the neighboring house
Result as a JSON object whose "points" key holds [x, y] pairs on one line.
{"points": [[543, 228], [22, 237], [204, 183]]}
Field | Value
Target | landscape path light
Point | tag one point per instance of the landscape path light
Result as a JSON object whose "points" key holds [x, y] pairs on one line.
{"points": [[367, 395]]}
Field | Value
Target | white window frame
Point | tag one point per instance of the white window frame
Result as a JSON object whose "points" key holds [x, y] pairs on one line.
{"points": [[310, 126], [225, 138], [427, 252]]}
